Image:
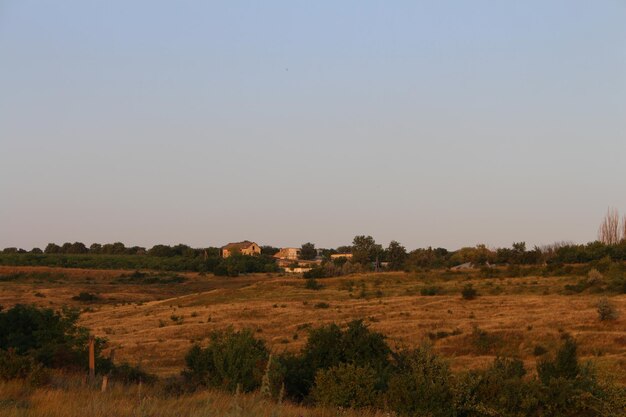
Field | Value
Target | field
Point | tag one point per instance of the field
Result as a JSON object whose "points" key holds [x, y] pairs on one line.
{"points": [[152, 319]]}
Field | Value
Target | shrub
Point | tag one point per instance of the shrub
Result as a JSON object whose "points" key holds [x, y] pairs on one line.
{"points": [[420, 385], [606, 310], [316, 272], [231, 359], [565, 365], [128, 374], [86, 297], [14, 366], [330, 346], [594, 277], [468, 292], [483, 341], [500, 389], [48, 337], [312, 284], [345, 385], [430, 291]]}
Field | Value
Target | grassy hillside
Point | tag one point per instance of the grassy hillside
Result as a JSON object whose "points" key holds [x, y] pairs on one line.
{"points": [[153, 319]]}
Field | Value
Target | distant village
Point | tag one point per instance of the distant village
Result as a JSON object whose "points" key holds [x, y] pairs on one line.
{"points": [[288, 259]]}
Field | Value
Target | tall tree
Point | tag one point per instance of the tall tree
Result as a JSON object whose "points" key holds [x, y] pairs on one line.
{"points": [[609, 232], [396, 255], [365, 249], [308, 251]]}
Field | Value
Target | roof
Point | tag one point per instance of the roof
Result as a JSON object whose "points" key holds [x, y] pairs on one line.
{"points": [[285, 252], [239, 245]]}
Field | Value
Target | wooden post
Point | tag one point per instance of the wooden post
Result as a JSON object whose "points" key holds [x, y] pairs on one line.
{"points": [[105, 380], [92, 358]]}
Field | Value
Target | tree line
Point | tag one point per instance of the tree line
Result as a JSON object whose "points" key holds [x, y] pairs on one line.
{"points": [[366, 255]]}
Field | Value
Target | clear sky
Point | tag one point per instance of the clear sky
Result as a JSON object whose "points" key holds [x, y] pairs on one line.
{"points": [[443, 123]]}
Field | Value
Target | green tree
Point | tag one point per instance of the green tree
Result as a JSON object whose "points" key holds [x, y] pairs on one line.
{"points": [[308, 251], [396, 255], [52, 248], [365, 250]]}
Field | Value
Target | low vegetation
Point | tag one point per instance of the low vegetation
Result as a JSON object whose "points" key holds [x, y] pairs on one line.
{"points": [[350, 367]]}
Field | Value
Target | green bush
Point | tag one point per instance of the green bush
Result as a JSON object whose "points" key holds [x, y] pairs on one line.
{"points": [[86, 297], [606, 310], [330, 346], [129, 374], [315, 272], [231, 359], [468, 292], [345, 385], [430, 291], [51, 338], [312, 284], [565, 365], [420, 385], [14, 366], [483, 341]]}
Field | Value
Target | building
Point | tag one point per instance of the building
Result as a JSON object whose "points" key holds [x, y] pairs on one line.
{"points": [[340, 255], [244, 248], [288, 253]]}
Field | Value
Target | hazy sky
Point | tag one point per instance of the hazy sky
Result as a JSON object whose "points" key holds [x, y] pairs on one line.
{"points": [[444, 123]]}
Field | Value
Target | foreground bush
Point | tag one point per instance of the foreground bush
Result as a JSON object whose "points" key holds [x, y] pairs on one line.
{"points": [[346, 385], [420, 385], [49, 337], [231, 360], [330, 346]]}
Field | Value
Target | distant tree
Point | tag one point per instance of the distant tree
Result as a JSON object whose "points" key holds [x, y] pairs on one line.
{"points": [[77, 248], [36, 250], [52, 248], [136, 250], [95, 248], [116, 248], [610, 232], [183, 250], [308, 251], [344, 249], [365, 250], [428, 258], [161, 251], [519, 247], [9, 250], [269, 250], [396, 255]]}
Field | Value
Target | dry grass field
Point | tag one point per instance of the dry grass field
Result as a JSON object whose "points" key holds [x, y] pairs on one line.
{"points": [[155, 324], [77, 400]]}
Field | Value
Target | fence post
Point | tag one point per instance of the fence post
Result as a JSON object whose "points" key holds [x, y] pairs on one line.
{"points": [[92, 358]]}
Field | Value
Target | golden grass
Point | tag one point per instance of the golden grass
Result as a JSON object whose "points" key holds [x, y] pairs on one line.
{"points": [[521, 312], [17, 400]]}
